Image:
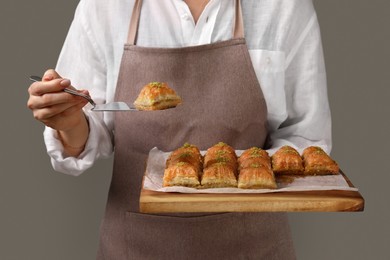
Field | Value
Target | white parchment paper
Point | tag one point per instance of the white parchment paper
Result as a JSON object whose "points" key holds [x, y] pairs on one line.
{"points": [[156, 165]]}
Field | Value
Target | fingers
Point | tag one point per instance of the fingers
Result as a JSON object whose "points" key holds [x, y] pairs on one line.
{"points": [[49, 93], [49, 113], [51, 105], [50, 74], [44, 87], [51, 82], [53, 99]]}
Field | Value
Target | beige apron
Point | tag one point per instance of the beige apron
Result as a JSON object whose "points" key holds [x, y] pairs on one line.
{"points": [[222, 101]]}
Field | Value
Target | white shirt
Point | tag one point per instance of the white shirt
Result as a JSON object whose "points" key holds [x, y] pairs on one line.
{"points": [[284, 43]]}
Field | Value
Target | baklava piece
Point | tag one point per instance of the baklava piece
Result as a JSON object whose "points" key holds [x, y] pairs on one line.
{"points": [[218, 175], [255, 170], [219, 167], [256, 178], [157, 96], [183, 167], [318, 162], [254, 155], [181, 174], [187, 153], [221, 152], [287, 160]]}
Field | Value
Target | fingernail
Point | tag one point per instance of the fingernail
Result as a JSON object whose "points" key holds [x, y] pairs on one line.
{"points": [[84, 91], [48, 77], [65, 82]]}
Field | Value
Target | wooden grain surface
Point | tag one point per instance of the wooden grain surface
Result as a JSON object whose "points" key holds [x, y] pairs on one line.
{"points": [[318, 201]]}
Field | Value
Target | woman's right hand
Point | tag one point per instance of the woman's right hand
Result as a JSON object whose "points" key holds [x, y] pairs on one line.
{"points": [[52, 106], [60, 110]]}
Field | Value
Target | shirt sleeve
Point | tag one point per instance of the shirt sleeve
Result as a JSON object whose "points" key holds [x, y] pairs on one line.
{"points": [[309, 119], [82, 61]]}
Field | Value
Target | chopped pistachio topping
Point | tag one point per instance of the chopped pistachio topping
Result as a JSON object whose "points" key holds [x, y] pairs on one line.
{"points": [[290, 151], [287, 149], [155, 84], [186, 154], [222, 159], [319, 151], [256, 151], [187, 145], [221, 152], [180, 163], [219, 163]]}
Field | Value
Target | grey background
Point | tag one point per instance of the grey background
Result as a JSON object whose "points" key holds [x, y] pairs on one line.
{"points": [[47, 215]]}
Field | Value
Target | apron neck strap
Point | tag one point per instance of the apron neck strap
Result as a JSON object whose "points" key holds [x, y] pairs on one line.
{"points": [[134, 21], [238, 30]]}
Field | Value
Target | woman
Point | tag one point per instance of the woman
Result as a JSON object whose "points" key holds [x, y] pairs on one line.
{"points": [[196, 46]]}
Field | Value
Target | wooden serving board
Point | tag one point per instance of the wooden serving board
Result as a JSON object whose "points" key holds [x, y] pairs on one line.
{"points": [[319, 201]]}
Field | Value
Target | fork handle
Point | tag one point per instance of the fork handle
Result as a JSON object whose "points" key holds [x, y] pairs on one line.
{"points": [[75, 93], [68, 90]]}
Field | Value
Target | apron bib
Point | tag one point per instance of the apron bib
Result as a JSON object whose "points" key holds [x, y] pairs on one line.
{"points": [[222, 101]]}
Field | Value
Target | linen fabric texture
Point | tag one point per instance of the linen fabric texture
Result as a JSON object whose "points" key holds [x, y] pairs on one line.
{"points": [[284, 42]]}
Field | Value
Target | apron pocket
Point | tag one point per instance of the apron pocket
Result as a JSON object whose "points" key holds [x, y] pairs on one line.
{"points": [[216, 236]]}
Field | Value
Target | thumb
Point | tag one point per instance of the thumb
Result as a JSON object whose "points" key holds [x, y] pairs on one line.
{"points": [[50, 75]]}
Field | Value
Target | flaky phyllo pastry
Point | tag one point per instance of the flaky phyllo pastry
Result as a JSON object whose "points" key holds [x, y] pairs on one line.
{"points": [[220, 167], [318, 162], [255, 170], [256, 177], [221, 152], [156, 96], [287, 160], [181, 174], [219, 175], [183, 167], [187, 153], [254, 155]]}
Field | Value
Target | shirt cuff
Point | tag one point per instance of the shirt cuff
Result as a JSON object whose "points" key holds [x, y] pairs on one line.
{"points": [[74, 165]]}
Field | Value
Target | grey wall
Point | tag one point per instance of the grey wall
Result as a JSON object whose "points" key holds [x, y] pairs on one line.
{"points": [[47, 215]]}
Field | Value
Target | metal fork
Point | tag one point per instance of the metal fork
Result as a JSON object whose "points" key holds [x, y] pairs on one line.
{"points": [[107, 107]]}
